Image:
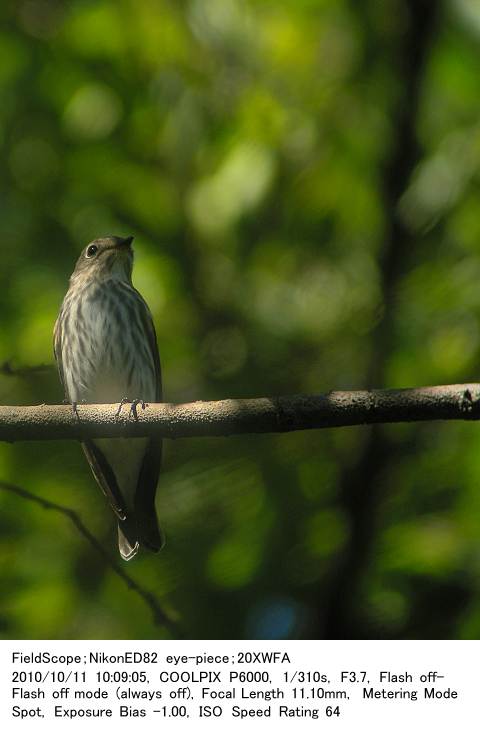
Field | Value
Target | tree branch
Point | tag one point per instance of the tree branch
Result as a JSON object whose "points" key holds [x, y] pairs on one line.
{"points": [[159, 615], [6, 369], [242, 416]]}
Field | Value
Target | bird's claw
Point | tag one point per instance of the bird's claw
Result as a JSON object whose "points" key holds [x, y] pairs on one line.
{"points": [[125, 400], [133, 407], [75, 407]]}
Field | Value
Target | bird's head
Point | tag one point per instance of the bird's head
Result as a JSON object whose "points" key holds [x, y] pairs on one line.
{"points": [[103, 258]]}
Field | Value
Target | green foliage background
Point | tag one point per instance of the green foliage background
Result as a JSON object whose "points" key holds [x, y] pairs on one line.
{"points": [[249, 146]]}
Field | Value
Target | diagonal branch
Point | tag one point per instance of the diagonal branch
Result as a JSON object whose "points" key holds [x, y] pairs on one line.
{"points": [[6, 369], [160, 617], [242, 416]]}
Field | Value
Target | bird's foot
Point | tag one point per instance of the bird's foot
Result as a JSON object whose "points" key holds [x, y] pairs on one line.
{"points": [[133, 407], [125, 400], [74, 405]]}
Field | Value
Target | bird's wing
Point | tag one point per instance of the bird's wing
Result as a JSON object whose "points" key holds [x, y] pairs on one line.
{"points": [[57, 351], [144, 501], [105, 477], [149, 329]]}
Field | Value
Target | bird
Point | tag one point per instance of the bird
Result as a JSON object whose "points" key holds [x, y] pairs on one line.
{"points": [[106, 351]]}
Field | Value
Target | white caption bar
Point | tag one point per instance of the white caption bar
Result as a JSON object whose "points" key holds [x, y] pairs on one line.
{"points": [[199, 684]]}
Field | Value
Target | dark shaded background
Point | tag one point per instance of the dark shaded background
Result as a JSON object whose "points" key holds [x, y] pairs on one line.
{"points": [[301, 177]]}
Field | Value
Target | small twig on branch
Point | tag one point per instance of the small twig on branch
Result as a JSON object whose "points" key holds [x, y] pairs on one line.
{"points": [[242, 416], [159, 615], [6, 369]]}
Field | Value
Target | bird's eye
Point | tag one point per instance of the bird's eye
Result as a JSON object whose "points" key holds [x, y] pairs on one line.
{"points": [[91, 251]]}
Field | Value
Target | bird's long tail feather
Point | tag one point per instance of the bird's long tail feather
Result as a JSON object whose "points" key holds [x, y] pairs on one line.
{"points": [[127, 543]]}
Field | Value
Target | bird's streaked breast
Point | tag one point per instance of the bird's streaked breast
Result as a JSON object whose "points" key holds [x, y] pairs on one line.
{"points": [[104, 346]]}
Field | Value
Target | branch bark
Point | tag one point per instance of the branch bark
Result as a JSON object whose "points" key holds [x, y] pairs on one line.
{"points": [[242, 416]]}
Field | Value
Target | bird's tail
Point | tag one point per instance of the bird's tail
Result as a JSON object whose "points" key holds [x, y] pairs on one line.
{"points": [[148, 530], [142, 530], [127, 545]]}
